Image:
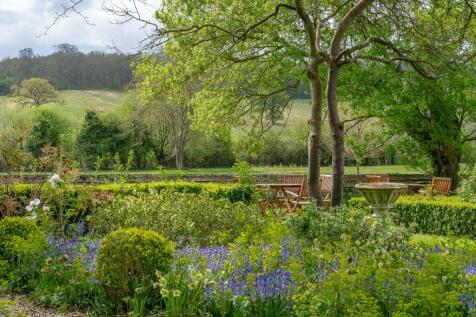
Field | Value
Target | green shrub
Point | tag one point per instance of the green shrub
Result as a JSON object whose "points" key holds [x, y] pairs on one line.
{"points": [[22, 246], [433, 215], [467, 189], [80, 198], [348, 229], [129, 259], [49, 128], [195, 218]]}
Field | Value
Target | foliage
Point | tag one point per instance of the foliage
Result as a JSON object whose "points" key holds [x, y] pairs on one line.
{"points": [[67, 277], [48, 129], [5, 84], [36, 92], [433, 215], [71, 69], [244, 172], [103, 137], [181, 217], [245, 279], [129, 259], [350, 229], [81, 201], [436, 115], [209, 150], [22, 246], [467, 189]]}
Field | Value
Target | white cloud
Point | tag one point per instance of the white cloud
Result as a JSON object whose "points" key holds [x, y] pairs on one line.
{"points": [[21, 21]]}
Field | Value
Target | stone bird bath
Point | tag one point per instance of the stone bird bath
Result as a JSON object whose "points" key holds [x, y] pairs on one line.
{"points": [[381, 196]]}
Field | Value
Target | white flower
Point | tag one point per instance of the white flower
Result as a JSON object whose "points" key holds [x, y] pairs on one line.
{"points": [[33, 216], [35, 202], [55, 180], [29, 208]]}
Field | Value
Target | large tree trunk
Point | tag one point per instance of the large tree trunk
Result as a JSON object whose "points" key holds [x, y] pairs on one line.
{"points": [[337, 131], [314, 150], [445, 161], [179, 155]]}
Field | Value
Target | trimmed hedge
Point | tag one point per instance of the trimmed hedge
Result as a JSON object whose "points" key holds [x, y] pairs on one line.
{"points": [[84, 198], [432, 215]]}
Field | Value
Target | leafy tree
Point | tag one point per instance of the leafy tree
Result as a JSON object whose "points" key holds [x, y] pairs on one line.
{"points": [[100, 137], [366, 138], [168, 88], [149, 131], [438, 115], [5, 84], [48, 129], [249, 51], [36, 92]]}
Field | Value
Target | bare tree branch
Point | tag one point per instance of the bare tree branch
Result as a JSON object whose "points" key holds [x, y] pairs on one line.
{"points": [[73, 7]]}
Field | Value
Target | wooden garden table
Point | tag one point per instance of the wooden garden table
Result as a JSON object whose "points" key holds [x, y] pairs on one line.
{"points": [[279, 197], [415, 187]]}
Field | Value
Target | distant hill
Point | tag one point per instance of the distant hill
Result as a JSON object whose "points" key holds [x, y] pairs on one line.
{"points": [[68, 68]]}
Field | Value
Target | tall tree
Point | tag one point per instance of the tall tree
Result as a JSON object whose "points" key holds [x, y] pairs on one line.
{"points": [[169, 88], [259, 39]]}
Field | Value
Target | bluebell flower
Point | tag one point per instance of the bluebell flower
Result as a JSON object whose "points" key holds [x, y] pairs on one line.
{"points": [[470, 270]]}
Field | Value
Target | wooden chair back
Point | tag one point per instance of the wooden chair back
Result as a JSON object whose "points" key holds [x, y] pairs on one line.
{"points": [[373, 178], [326, 184], [303, 192], [441, 185], [294, 179]]}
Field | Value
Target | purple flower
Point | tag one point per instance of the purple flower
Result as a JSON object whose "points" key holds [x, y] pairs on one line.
{"points": [[470, 270]]}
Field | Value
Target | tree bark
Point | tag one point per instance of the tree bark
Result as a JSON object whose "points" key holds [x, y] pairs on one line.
{"points": [[179, 155], [445, 161], [314, 141], [337, 131], [314, 146], [337, 126]]}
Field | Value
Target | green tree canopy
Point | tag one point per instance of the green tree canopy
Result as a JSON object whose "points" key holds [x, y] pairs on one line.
{"points": [[36, 92]]}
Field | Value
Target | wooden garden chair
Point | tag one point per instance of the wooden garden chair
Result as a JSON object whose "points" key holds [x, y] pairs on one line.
{"points": [[295, 179], [326, 189], [440, 186], [299, 199], [377, 178]]}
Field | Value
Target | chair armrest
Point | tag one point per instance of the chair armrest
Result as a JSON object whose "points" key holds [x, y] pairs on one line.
{"points": [[291, 194]]}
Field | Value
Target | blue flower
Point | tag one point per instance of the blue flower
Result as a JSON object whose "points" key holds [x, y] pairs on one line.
{"points": [[470, 270]]}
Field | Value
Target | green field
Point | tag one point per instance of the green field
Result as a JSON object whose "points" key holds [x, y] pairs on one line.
{"points": [[76, 103]]}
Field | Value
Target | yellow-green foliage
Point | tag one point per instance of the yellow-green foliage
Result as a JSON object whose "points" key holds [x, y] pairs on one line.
{"points": [[192, 218], [22, 246], [433, 215], [129, 259]]}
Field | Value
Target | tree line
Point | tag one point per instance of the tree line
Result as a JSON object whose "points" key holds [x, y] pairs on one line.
{"points": [[68, 68]]}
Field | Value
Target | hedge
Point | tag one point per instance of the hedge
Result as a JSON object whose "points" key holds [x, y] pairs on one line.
{"points": [[84, 198], [432, 215]]}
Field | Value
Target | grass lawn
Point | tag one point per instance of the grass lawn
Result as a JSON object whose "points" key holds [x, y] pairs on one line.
{"points": [[389, 169], [76, 103]]}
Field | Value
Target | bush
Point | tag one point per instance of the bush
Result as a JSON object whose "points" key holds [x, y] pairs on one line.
{"points": [[467, 189], [350, 229], [433, 215], [195, 218], [22, 245], [84, 200], [101, 137], [49, 128], [129, 259]]}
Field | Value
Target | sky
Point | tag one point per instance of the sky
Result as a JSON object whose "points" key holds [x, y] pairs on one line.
{"points": [[23, 21]]}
